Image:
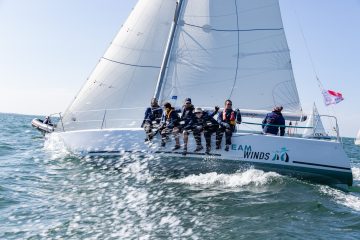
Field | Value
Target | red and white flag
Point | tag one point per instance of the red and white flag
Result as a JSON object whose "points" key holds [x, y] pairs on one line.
{"points": [[331, 97]]}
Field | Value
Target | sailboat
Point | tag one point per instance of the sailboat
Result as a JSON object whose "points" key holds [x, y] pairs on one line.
{"points": [[315, 127], [357, 140], [209, 50]]}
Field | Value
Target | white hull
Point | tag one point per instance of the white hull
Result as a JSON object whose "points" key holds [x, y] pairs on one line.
{"points": [[318, 160]]}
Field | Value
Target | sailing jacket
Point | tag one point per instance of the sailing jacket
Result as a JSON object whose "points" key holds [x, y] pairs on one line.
{"points": [[187, 114], [206, 122], [274, 118], [170, 119], [152, 114], [228, 118]]}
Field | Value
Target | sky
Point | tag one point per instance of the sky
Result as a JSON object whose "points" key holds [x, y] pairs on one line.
{"points": [[48, 48]]}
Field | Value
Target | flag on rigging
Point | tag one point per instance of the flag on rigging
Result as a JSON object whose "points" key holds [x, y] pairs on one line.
{"points": [[331, 97]]}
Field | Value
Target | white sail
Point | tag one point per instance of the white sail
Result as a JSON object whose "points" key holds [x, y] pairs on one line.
{"points": [[315, 126], [123, 82], [357, 140], [231, 49]]}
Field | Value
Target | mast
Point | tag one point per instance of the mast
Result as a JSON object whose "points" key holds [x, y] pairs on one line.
{"points": [[168, 49]]}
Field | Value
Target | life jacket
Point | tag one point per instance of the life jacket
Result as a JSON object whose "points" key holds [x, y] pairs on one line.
{"points": [[232, 117], [168, 113]]}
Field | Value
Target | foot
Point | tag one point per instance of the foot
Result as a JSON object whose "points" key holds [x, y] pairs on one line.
{"points": [[176, 147], [198, 148], [207, 150], [162, 144], [218, 147], [184, 152], [227, 148]]}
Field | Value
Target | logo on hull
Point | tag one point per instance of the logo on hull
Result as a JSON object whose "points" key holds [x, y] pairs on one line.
{"points": [[248, 153]]}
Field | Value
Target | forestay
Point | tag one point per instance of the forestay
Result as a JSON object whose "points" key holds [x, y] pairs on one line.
{"points": [[231, 49], [124, 80]]}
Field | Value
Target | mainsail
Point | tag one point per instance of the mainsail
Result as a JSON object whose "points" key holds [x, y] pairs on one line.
{"points": [[231, 49], [124, 81]]}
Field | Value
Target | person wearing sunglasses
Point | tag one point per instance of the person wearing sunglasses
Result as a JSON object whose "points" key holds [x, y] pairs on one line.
{"points": [[227, 119]]}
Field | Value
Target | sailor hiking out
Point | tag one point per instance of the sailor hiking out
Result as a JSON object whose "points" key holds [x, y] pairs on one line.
{"points": [[227, 120], [203, 122], [152, 119], [170, 122], [187, 114]]}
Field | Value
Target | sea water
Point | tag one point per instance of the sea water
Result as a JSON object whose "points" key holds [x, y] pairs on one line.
{"points": [[45, 193]]}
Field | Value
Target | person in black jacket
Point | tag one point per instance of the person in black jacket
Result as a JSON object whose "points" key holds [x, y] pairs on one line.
{"points": [[187, 114], [227, 120], [203, 122], [273, 122], [169, 124], [152, 119]]}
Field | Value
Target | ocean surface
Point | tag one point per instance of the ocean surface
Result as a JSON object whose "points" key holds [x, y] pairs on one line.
{"points": [[45, 193]]}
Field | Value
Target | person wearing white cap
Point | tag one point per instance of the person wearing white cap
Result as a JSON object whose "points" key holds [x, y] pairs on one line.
{"points": [[202, 123]]}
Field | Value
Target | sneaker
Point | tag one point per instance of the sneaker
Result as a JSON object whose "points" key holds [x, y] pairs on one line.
{"points": [[162, 144], [184, 152], [198, 148], [207, 150], [176, 147], [218, 147], [227, 148]]}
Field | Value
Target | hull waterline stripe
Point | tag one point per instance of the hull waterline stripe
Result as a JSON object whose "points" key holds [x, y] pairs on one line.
{"points": [[321, 165], [168, 152]]}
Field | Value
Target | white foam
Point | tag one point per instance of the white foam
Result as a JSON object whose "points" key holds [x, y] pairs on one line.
{"points": [[356, 173], [347, 199], [54, 144], [251, 176]]}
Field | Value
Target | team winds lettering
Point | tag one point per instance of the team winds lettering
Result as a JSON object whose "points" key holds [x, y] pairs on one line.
{"points": [[256, 155]]}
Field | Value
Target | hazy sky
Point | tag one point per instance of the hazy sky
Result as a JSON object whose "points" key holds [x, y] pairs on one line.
{"points": [[48, 48]]}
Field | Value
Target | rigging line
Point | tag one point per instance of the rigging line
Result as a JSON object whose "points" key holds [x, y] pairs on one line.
{"points": [[238, 50], [320, 85], [309, 55], [234, 30], [132, 65]]}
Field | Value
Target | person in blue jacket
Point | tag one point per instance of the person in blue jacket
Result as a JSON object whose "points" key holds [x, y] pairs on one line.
{"points": [[152, 119], [169, 123], [227, 119], [273, 122]]}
